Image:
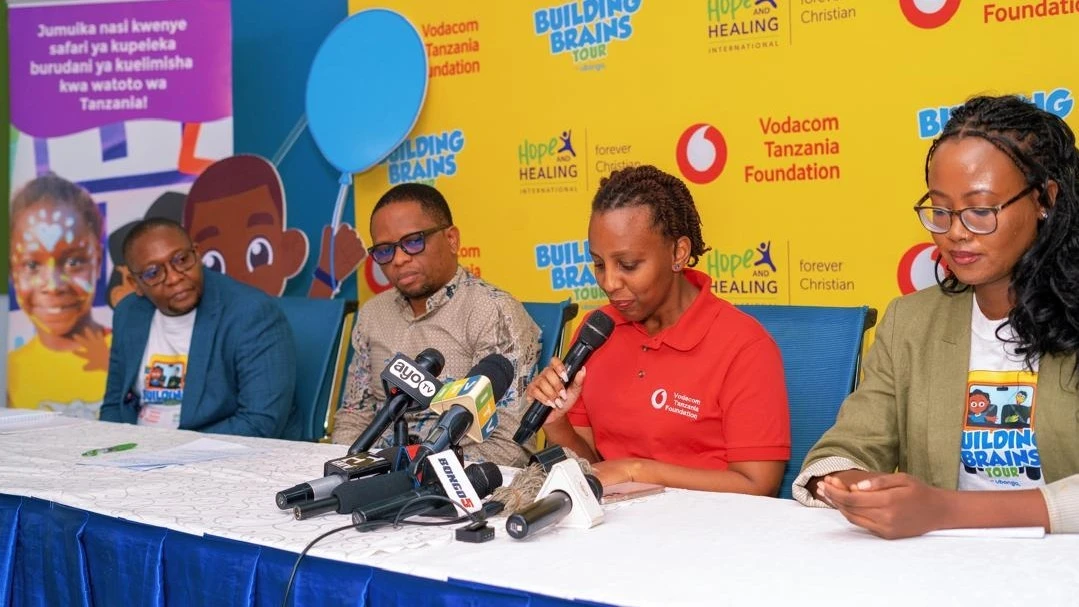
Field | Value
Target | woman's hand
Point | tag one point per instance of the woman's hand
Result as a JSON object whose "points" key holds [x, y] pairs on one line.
{"points": [[612, 472], [889, 505], [549, 387]]}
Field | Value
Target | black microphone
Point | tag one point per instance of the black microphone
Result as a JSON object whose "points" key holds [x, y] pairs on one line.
{"points": [[335, 472], [350, 495], [485, 477], [597, 328], [409, 387], [546, 511], [467, 401]]}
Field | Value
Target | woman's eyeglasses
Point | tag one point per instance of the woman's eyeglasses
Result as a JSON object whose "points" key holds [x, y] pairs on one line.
{"points": [[413, 244], [181, 262], [978, 220]]}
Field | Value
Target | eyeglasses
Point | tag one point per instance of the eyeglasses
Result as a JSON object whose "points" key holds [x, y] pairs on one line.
{"points": [[181, 262], [413, 244], [978, 220]]}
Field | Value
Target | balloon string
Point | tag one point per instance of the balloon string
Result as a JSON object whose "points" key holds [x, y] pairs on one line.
{"points": [[338, 209], [290, 140]]}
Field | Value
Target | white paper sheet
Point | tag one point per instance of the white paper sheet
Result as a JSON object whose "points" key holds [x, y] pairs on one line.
{"points": [[201, 450]]}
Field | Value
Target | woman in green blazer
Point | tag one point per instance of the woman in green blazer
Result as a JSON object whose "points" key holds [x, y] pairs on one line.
{"points": [[968, 415]]}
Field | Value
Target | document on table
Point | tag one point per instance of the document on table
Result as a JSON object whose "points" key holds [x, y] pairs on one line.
{"points": [[201, 450], [18, 420], [1027, 533]]}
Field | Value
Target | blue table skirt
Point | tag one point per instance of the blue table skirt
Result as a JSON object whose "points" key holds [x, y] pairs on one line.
{"points": [[52, 555]]}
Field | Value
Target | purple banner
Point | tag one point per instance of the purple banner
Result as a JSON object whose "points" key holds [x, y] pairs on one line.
{"points": [[81, 66]]}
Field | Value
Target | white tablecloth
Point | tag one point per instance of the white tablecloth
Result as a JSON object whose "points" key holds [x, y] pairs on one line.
{"points": [[676, 548]]}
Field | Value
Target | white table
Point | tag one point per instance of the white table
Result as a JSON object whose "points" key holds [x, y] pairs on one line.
{"points": [[676, 548]]}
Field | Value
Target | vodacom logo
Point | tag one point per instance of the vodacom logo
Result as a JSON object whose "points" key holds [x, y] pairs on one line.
{"points": [[701, 153], [372, 273], [928, 14], [659, 398], [919, 269]]}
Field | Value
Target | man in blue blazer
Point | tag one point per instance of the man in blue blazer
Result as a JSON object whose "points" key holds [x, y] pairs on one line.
{"points": [[195, 350]]}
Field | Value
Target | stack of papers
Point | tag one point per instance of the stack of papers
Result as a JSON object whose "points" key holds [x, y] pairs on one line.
{"points": [[18, 420], [201, 450]]}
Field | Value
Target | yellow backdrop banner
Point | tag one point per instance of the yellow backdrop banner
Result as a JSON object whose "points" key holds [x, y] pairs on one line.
{"points": [[800, 126]]}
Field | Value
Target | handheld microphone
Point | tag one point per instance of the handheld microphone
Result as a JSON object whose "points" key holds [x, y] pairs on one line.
{"points": [[409, 384], [567, 495], [335, 472], [467, 407], [478, 481], [350, 495], [597, 328]]}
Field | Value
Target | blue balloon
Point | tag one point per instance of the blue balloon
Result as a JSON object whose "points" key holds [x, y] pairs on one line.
{"points": [[366, 87]]}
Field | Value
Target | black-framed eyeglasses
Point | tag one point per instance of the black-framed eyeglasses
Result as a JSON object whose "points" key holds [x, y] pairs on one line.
{"points": [[155, 274], [413, 244], [978, 220]]}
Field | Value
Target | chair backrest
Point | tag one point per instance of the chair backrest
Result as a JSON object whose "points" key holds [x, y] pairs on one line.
{"points": [[821, 348], [552, 319], [317, 330]]}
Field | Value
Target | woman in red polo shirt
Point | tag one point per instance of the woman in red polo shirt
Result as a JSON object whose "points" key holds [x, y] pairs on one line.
{"points": [[687, 391]]}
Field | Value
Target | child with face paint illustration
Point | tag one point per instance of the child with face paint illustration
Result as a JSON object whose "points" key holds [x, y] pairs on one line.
{"points": [[55, 262]]}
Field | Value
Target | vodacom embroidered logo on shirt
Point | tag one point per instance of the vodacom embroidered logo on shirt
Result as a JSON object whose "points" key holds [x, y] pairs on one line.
{"points": [[676, 403]]}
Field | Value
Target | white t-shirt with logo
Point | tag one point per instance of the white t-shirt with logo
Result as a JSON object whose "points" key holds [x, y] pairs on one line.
{"points": [[999, 449], [160, 384]]}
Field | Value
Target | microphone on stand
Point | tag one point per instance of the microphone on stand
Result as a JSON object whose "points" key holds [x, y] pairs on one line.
{"points": [[568, 497], [409, 387]]}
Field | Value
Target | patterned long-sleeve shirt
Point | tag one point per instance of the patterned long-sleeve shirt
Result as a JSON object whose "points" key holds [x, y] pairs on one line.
{"points": [[465, 321]]}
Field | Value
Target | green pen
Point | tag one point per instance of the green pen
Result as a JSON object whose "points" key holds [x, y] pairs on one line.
{"points": [[114, 448]]}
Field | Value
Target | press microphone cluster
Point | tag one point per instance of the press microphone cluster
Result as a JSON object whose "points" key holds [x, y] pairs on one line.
{"points": [[344, 489], [593, 334], [467, 407], [409, 385]]}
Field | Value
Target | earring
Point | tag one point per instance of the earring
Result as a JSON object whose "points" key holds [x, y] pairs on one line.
{"points": [[677, 267], [1045, 215]]}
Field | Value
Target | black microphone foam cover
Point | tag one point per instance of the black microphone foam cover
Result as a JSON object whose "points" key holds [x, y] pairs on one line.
{"points": [[485, 477], [496, 368]]}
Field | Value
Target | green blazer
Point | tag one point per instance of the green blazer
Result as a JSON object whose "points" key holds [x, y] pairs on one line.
{"points": [[907, 414]]}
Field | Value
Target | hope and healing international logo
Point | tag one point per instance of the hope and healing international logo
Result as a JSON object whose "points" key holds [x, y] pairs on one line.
{"points": [[585, 28], [425, 158]]}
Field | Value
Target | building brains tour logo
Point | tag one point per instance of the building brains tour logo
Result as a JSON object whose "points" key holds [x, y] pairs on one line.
{"points": [[425, 158], [585, 29]]}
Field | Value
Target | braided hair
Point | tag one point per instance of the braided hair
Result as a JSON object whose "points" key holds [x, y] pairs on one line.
{"points": [[1045, 280], [672, 205]]}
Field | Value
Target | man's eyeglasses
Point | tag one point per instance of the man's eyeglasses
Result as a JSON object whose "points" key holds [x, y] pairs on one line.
{"points": [[181, 262], [978, 220], [413, 244]]}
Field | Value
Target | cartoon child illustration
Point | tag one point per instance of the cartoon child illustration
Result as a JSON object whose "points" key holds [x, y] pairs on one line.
{"points": [[156, 379], [56, 258], [237, 216], [978, 404]]}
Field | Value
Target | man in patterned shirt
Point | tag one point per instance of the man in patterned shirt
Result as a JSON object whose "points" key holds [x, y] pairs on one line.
{"points": [[435, 303]]}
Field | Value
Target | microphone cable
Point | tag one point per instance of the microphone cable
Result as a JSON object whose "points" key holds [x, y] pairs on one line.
{"points": [[396, 523]]}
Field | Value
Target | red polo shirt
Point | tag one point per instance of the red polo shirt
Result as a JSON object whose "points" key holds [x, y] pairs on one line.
{"points": [[704, 392]]}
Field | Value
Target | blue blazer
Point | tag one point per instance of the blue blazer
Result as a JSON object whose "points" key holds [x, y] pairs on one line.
{"points": [[241, 367]]}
